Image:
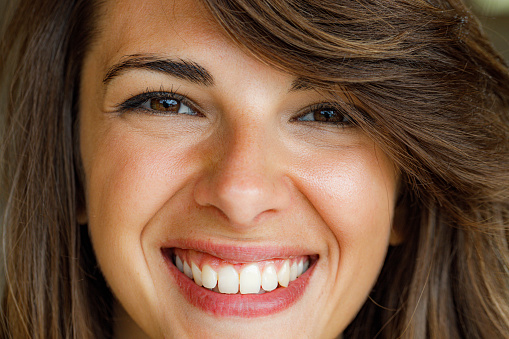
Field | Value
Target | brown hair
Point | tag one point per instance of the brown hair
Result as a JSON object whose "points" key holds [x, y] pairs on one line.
{"points": [[435, 96], [50, 275]]}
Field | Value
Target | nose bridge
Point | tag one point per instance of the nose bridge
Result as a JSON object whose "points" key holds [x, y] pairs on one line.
{"points": [[244, 181], [245, 154]]}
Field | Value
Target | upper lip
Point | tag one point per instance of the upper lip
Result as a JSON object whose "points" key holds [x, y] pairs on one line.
{"points": [[239, 252]]}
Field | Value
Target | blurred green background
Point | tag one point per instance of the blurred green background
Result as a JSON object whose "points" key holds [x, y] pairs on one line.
{"points": [[494, 15]]}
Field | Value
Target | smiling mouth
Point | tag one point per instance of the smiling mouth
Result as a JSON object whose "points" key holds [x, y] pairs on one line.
{"points": [[248, 288], [239, 278]]}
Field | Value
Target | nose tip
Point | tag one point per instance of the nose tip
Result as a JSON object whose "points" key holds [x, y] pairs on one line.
{"points": [[244, 182], [242, 198]]}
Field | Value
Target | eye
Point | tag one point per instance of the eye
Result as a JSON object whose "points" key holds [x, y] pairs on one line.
{"points": [[159, 103], [326, 114], [167, 105]]}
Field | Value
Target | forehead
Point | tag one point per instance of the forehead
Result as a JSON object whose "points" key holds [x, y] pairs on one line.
{"points": [[131, 26]]}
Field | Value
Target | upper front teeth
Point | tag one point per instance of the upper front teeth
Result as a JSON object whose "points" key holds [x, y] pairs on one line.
{"points": [[250, 280], [228, 280], [269, 278], [283, 276], [208, 276]]}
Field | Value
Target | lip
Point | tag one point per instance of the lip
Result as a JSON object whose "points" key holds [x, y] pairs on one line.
{"points": [[240, 305], [238, 254]]}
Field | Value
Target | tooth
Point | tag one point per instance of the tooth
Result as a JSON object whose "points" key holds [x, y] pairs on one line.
{"points": [[250, 279], [180, 266], [269, 278], [228, 280], [196, 274], [283, 276], [187, 270], [300, 268], [306, 266], [208, 276], [293, 271]]}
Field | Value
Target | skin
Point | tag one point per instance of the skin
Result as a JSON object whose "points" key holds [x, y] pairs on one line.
{"points": [[244, 172]]}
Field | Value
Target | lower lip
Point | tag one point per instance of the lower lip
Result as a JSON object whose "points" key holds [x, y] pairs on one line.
{"points": [[240, 305]]}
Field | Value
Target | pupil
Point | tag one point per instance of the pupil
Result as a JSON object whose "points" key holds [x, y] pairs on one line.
{"points": [[328, 114]]}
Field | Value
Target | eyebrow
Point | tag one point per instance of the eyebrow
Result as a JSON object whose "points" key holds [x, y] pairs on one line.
{"points": [[179, 68], [182, 69]]}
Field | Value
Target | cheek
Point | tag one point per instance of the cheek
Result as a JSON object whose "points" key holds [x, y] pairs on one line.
{"points": [[353, 188], [122, 178], [130, 176], [353, 192], [126, 186]]}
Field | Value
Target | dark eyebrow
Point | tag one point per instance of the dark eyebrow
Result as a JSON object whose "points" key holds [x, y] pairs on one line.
{"points": [[182, 69], [178, 68]]}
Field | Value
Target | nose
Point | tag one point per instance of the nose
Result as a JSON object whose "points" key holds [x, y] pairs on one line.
{"points": [[244, 180]]}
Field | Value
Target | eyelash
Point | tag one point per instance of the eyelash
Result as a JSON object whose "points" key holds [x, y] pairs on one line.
{"points": [[137, 102]]}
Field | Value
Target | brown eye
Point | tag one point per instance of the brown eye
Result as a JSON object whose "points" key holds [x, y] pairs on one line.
{"points": [[329, 115], [159, 103], [326, 115], [165, 105]]}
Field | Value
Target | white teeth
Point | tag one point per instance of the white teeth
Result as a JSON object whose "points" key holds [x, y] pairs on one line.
{"points": [[180, 266], [196, 274], [283, 276], [269, 278], [250, 279], [208, 276], [293, 271], [187, 270], [228, 280], [300, 268]]}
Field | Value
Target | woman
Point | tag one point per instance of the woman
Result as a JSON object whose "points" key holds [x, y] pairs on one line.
{"points": [[250, 168]]}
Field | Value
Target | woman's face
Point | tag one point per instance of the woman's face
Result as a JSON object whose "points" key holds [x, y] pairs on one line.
{"points": [[196, 152]]}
